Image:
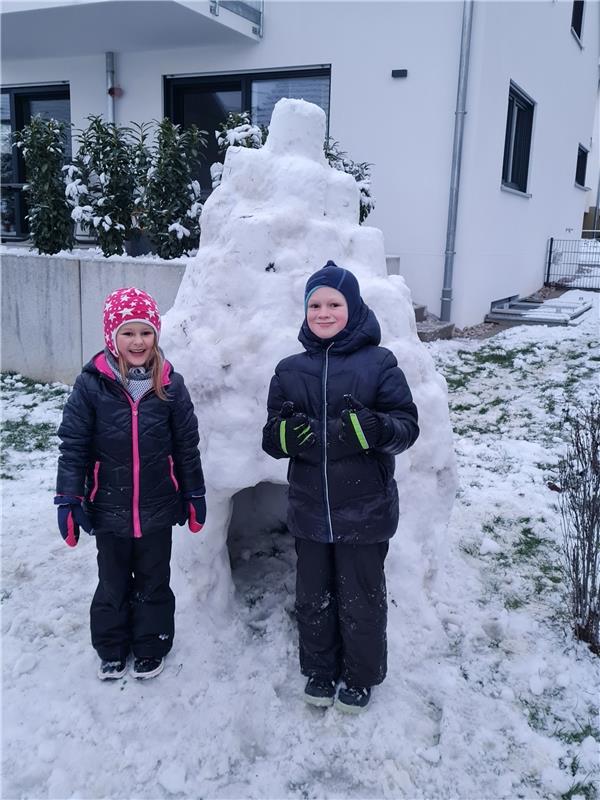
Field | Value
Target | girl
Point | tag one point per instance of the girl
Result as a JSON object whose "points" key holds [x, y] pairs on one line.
{"points": [[129, 469], [340, 412]]}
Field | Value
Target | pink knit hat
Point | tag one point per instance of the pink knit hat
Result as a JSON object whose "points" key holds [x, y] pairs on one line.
{"points": [[128, 305]]}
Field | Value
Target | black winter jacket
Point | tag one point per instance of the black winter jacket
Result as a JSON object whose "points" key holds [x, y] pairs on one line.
{"points": [[337, 494], [131, 461]]}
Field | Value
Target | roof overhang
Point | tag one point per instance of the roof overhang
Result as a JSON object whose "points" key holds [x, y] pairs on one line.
{"points": [[60, 28]]}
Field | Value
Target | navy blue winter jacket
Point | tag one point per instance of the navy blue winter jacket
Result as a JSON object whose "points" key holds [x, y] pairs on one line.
{"points": [[131, 461], [337, 494]]}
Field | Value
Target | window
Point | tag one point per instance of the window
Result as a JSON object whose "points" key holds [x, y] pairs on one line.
{"points": [[517, 143], [577, 18], [17, 107], [206, 102], [580, 171]]}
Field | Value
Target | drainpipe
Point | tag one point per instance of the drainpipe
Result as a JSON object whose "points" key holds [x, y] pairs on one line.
{"points": [[110, 83], [459, 124]]}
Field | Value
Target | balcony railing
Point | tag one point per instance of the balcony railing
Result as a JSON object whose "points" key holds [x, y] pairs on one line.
{"points": [[251, 10]]}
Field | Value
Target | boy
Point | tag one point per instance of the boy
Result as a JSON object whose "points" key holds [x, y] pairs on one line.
{"points": [[340, 412]]}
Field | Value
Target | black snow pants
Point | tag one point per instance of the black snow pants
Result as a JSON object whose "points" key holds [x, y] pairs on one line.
{"points": [[133, 608], [341, 608]]}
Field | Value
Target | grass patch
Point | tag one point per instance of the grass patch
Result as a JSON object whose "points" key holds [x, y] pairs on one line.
{"points": [[528, 544], [577, 737], [26, 436], [513, 603], [588, 790], [13, 382]]}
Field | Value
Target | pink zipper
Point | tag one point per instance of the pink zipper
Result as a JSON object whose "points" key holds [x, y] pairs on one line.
{"points": [[137, 528], [172, 471], [95, 489]]}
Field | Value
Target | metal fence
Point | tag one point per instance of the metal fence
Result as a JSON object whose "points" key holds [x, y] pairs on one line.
{"points": [[574, 263]]}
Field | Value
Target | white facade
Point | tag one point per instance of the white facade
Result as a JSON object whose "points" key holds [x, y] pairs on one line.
{"points": [[403, 126]]}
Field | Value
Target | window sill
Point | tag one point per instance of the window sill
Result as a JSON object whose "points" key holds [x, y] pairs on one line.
{"points": [[510, 190], [583, 188], [577, 39]]}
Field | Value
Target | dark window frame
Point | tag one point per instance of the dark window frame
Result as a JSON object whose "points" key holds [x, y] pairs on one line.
{"points": [[581, 168], [518, 140], [18, 95], [174, 86], [244, 79], [577, 18]]}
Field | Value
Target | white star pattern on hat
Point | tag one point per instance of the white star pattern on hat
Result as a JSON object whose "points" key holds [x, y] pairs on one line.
{"points": [[125, 305]]}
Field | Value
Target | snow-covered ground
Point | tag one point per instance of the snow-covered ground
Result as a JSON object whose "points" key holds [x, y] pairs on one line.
{"points": [[492, 698]]}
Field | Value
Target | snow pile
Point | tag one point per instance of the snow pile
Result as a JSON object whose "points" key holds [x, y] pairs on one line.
{"points": [[502, 703], [279, 214]]}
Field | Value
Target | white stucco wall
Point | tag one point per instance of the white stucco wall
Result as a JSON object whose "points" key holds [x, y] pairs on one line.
{"points": [[501, 242], [404, 126]]}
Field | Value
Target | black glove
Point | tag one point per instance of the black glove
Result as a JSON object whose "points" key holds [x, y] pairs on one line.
{"points": [[360, 427], [295, 433], [70, 517]]}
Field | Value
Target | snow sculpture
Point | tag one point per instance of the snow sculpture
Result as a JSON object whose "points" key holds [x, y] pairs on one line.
{"points": [[279, 214]]}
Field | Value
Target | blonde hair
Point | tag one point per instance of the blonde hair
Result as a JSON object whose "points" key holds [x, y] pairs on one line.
{"points": [[155, 365]]}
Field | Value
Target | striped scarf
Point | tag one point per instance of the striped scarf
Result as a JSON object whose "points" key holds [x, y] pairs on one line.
{"points": [[139, 379]]}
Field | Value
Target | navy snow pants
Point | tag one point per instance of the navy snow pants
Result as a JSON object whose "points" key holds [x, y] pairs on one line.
{"points": [[133, 608], [341, 609]]}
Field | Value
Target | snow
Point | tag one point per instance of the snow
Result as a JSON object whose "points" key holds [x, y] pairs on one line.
{"points": [[487, 696], [490, 697], [280, 213]]}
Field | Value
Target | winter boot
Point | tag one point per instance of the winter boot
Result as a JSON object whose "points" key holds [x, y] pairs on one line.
{"points": [[112, 670], [353, 699], [319, 692], [147, 667]]}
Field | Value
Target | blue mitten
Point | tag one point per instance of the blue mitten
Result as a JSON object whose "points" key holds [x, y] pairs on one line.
{"points": [[71, 517]]}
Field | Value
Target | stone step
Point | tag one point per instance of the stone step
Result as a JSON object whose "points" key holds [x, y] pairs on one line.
{"points": [[432, 329], [420, 312]]}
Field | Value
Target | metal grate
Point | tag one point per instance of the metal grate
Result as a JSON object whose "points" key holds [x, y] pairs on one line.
{"points": [[574, 263]]}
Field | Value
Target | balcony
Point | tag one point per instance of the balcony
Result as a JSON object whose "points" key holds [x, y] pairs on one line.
{"points": [[57, 28]]}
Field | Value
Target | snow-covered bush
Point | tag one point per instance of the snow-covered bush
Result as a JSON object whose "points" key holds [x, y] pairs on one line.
{"points": [[100, 184], [238, 130], [360, 171], [579, 475], [42, 143], [141, 162], [170, 202]]}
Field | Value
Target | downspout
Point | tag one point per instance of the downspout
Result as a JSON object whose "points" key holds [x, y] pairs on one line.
{"points": [[110, 83], [459, 124]]}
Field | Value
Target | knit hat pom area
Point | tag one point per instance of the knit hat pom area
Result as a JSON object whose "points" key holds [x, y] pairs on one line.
{"points": [[335, 278], [128, 305]]}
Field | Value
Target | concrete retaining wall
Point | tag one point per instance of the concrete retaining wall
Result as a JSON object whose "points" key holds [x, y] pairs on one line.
{"points": [[52, 308]]}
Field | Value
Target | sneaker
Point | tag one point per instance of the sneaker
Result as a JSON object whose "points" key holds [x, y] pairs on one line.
{"points": [[112, 670], [353, 699], [147, 667], [319, 692]]}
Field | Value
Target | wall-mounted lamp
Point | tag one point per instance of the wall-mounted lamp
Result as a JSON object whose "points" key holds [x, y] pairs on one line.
{"points": [[399, 73]]}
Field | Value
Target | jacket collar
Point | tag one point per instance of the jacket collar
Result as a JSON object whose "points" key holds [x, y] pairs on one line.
{"points": [[101, 365]]}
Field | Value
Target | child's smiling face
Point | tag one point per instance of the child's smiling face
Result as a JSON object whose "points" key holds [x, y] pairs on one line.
{"points": [[135, 341], [327, 312]]}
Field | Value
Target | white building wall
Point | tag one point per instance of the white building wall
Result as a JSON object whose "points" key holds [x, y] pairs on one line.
{"points": [[501, 243], [404, 126]]}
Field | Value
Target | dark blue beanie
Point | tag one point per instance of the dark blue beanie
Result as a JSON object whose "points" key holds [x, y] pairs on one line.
{"points": [[336, 278]]}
